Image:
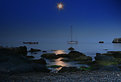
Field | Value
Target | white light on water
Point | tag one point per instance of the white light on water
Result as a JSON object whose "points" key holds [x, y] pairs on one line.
{"points": [[59, 52]]}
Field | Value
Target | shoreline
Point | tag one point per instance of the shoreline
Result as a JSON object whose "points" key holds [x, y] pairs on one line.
{"points": [[80, 76], [26, 70]]}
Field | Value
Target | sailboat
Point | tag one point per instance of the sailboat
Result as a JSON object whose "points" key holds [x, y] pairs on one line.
{"points": [[71, 41]]}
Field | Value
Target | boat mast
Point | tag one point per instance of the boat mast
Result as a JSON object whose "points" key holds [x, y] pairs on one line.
{"points": [[71, 33]]}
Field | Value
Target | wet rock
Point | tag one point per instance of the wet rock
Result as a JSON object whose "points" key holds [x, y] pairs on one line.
{"points": [[34, 50], [11, 62], [115, 54], [100, 57], [83, 68], [44, 51], [66, 60], [117, 40], [55, 66], [50, 56], [62, 55], [71, 49], [68, 69], [30, 56], [75, 54], [40, 61], [105, 60], [22, 50], [84, 59]]}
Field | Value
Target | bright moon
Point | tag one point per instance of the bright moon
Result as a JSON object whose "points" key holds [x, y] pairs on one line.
{"points": [[60, 6]]}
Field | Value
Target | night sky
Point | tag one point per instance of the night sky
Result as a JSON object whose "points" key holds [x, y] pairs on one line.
{"points": [[40, 20]]}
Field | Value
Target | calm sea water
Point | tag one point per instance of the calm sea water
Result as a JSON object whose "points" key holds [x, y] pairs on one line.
{"points": [[88, 48]]}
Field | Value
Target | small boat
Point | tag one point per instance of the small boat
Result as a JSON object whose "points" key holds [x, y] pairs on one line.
{"points": [[101, 41], [72, 42], [30, 42]]}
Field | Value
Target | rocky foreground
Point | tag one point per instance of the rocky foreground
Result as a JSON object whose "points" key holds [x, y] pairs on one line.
{"points": [[16, 66], [82, 76]]}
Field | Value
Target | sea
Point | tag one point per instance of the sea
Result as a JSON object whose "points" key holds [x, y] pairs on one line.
{"points": [[88, 48]]}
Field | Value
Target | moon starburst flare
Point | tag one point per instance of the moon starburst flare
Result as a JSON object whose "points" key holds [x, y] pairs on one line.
{"points": [[60, 6]]}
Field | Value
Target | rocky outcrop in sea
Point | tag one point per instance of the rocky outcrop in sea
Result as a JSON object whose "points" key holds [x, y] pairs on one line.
{"points": [[117, 40], [14, 60]]}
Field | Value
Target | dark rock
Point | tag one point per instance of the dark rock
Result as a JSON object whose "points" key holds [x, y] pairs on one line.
{"points": [[109, 68], [84, 59], [34, 53], [66, 60], [30, 56], [75, 54], [44, 51], [117, 40], [71, 49], [104, 58], [34, 50], [62, 55], [55, 66], [83, 68], [115, 54], [22, 50], [50, 56], [40, 61], [16, 63], [98, 53], [68, 69], [30, 42]]}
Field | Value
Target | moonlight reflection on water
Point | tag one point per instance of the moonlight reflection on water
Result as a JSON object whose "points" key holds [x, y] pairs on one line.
{"points": [[59, 52]]}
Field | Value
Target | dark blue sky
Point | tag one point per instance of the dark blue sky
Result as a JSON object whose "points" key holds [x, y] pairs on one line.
{"points": [[92, 20]]}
